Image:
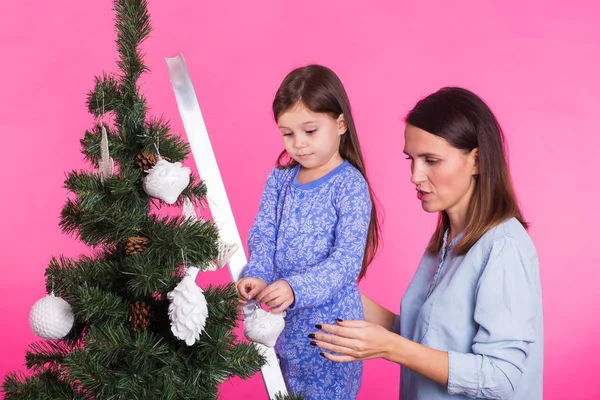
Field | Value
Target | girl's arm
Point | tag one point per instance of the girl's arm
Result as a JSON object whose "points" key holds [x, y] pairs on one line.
{"points": [[262, 237], [318, 285]]}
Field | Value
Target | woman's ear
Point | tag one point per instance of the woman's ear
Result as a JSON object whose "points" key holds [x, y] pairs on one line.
{"points": [[475, 161], [341, 124]]}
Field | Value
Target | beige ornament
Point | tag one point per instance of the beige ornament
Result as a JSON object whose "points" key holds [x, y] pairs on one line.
{"points": [[106, 163], [226, 250]]}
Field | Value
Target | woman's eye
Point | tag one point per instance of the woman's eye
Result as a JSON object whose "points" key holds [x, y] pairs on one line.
{"points": [[287, 134], [431, 161]]}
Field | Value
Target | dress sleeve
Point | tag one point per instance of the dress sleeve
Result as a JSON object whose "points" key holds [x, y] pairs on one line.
{"points": [[262, 237]]}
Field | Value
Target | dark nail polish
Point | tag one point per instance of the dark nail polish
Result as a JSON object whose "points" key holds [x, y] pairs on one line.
{"points": [[313, 343], [318, 326], [312, 336], [322, 355], [339, 320]]}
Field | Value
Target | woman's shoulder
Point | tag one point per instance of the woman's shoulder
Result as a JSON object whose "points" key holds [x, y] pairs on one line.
{"points": [[511, 234]]}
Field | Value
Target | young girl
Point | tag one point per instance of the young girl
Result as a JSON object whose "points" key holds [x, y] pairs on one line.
{"points": [[316, 230]]}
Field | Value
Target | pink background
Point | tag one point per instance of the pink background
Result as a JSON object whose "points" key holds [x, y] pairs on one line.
{"points": [[536, 64]]}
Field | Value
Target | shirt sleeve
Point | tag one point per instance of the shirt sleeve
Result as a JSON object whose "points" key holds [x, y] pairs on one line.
{"points": [[323, 281], [262, 237], [507, 299], [396, 325]]}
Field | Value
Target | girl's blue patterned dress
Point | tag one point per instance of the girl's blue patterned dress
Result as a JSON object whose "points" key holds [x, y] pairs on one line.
{"points": [[313, 236]]}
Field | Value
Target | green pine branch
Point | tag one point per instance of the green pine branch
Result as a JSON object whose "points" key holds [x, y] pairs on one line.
{"points": [[47, 385], [155, 133], [65, 275], [133, 27], [105, 97], [103, 357], [92, 304], [47, 355], [120, 151], [158, 134]]}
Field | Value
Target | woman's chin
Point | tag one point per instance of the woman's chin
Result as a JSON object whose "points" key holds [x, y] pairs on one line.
{"points": [[428, 207]]}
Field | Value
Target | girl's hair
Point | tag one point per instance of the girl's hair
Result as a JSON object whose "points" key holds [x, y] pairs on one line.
{"points": [[466, 122], [320, 90]]}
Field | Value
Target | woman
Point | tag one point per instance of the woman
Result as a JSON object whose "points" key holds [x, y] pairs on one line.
{"points": [[470, 323]]}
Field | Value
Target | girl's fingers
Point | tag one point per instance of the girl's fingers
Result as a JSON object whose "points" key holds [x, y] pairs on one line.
{"points": [[263, 295]]}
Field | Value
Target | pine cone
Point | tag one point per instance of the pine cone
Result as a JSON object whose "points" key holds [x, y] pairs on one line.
{"points": [[136, 244], [140, 316], [147, 159]]}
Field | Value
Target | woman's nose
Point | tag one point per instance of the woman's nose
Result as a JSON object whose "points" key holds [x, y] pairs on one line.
{"points": [[417, 175]]}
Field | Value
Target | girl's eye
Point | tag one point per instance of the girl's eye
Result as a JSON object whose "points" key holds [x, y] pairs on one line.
{"points": [[287, 134], [311, 131], [431, 161]]}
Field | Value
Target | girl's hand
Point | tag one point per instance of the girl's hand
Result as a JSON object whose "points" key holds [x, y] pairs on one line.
{"points": [[353, 340], [278, 296], [248, 288]]}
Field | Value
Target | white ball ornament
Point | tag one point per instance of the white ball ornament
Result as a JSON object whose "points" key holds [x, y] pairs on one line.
{"points": [[166, 180], [51, 318], [262, 326]]}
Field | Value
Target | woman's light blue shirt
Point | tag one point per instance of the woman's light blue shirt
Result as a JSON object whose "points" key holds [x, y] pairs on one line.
{"points": [[485, 309]]}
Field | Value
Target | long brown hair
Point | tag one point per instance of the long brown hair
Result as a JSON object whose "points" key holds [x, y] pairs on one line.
{"points": [[320, 90], [466, 122]]}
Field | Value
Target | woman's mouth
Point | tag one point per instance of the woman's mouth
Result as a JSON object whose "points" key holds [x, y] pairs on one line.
{"points": [[422, 195]]}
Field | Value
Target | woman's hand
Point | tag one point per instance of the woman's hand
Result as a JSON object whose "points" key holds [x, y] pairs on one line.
{"points": [[353, 340], [278, 296], [362, 340]]}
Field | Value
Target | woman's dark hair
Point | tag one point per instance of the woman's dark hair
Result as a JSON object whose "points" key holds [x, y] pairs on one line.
{"points": [[466, 122]]}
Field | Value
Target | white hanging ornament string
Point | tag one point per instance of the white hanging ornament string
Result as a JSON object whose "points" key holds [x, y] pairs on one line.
{"points": [[157, 150]]}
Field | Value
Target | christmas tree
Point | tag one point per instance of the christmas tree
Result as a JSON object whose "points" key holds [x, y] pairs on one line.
{"points": [[127, 321]]}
